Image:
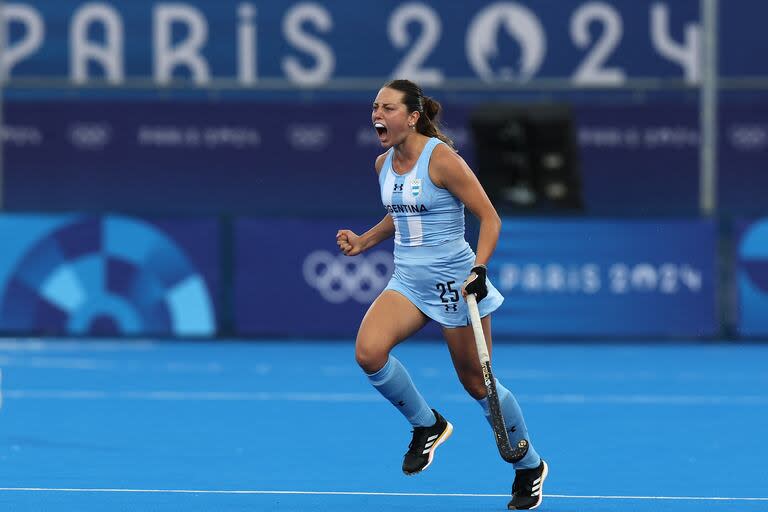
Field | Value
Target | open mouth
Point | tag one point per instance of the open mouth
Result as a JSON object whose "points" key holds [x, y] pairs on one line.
{"points": [[380, 129]]}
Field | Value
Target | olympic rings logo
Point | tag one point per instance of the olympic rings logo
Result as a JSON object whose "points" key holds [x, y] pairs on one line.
{"points": [[339, 278], [91, 136]]}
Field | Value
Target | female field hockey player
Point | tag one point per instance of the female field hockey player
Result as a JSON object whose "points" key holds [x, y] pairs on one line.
{"points": [[425, 186]]}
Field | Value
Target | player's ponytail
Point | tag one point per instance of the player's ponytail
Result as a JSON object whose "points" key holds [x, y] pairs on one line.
{"points": [[428, 108], [429, 122]]}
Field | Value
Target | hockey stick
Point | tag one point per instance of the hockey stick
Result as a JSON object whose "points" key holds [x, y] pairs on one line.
{"points": [[507, 452]]}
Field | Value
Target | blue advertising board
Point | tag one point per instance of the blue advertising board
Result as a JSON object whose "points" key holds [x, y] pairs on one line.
{"points": [[293, 159], [644, 159], [313, 43], [291, 279], [752, 277], [559, 278], [288, 159], [606, 278], [742, 157], [112, 275], [639, 159], [184, 157]]}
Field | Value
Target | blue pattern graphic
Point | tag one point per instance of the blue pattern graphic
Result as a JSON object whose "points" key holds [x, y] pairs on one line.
{"points": [[107, 275], [752, 278]]}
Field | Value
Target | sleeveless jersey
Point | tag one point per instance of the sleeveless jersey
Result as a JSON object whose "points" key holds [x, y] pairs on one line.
{"points": [[424, 214]]}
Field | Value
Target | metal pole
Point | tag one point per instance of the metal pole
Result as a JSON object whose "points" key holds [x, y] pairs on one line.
{"points": [[708, 102]]}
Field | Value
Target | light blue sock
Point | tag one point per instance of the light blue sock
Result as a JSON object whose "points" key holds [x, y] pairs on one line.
{"points": [[513, 419], [394, 383]]}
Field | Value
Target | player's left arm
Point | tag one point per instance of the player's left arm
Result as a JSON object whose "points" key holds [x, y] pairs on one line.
{"points": [[448, 170]]}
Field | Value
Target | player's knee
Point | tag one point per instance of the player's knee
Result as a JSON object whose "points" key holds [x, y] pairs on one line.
{"points": [[475, 387], [369, 357]]}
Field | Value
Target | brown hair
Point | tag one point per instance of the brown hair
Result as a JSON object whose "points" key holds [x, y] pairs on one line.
{"points": [[415, 101]]}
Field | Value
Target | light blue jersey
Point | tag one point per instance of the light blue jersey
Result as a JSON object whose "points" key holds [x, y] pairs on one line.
{"points": [[432, 259], [424, 214]]}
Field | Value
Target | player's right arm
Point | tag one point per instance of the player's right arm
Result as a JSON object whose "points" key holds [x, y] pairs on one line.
{"points": [[352, 244]]}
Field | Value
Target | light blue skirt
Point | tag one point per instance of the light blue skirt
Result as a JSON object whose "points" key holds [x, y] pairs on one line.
{"points": [[431, 278]]}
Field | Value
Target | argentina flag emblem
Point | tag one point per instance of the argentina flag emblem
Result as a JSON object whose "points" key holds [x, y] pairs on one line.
{"points": [[416, 187]]}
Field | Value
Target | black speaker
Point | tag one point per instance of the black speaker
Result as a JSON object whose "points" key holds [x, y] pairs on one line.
{"points": [[526, 157]]}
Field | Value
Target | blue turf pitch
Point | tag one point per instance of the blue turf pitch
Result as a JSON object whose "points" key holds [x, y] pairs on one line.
{"points": [[294, 426]]}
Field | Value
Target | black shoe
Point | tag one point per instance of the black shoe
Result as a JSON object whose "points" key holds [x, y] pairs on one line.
{"points": [[528, 487], [425, 441]]}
